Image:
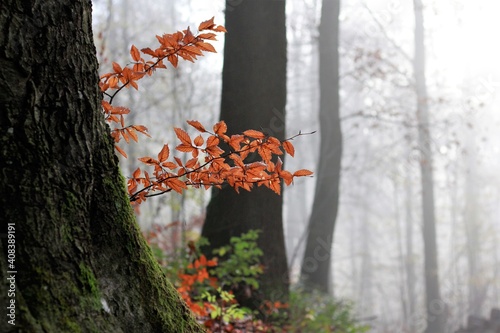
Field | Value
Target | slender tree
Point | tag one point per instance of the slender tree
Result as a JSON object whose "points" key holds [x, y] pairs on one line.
{"points": [[409, 256], [253, 96], [315, 271], [434, 304], [476, 284], [81, 264]]}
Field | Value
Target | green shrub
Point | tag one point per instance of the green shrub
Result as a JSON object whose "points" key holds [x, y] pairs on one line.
{"points": [[314, 312]]}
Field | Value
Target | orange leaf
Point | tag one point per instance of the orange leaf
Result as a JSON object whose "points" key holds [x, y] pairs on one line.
{"points": [[219, 28], [220, 128], [206, 47], [275, 186], [176, 185], [170, 165], [136, 173], [183, 136], [206, 24], [235, 141], [185, 148], [131, 132], [121, 151], [148, 51], [215, 151], [148, 160], [207, 35], [289, 148], [212, 141], [188, 36], [131, 186], [142, 129], [265, 153], [198, 141], [124, 135], [212, 262], [139, 67], [286, 176], [186, 55], [113, 81], [179, 162], [117, 68], [119, 110], [173, 59], [254, 134], [192, 163], [302, 172], [237, 160], [163, 154], [134, 52], [193, 50], [196, 124]]}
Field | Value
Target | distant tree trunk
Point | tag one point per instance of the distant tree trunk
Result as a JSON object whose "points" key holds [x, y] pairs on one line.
{"points": [[476, 286], [253, 96], [410, 256], [435, 306], [365, 296], [315, 271], [81, 264]]}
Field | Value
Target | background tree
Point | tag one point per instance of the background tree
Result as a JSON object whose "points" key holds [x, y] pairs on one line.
{"points": [[253, 96], [81, 262], [316, 265], [434, 304]]}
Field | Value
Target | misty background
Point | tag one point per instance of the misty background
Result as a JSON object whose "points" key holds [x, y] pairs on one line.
{"points": [[378, 254]]}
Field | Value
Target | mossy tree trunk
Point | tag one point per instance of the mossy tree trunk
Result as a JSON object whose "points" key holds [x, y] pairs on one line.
{"points": [[81, 264], [254, 97]]}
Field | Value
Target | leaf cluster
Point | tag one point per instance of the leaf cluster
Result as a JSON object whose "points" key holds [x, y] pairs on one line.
{"points": [[209, 165], [241, 264], [207, 285], [181, 44]]}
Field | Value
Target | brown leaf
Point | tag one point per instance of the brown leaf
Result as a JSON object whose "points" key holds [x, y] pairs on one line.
{"points": [[183, 136], [206, 24], [163, 154], [287, 145], [134, 52], [254, 134], [302, 173], [196, 124]]}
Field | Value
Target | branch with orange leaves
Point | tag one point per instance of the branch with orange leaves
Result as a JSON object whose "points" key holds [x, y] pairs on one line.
{"points": [[209, 163], [181, 44]]}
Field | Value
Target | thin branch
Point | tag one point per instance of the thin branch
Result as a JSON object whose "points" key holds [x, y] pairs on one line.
{"points": [[384, 32]]}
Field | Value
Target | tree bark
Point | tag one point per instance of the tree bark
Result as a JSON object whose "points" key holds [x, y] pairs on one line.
{"points": [[476, 285], [435, 306], [81, 264], [253, 96], [315, 270], [410, 257]]}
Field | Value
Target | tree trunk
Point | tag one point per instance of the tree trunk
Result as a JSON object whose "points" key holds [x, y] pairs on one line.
{"points": [[253, 96], [435, 306], [477, 287], [410, 257], [315, 271], [81, 264]]}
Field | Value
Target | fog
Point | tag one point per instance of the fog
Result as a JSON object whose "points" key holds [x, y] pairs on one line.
{"points": [[378, 251]]}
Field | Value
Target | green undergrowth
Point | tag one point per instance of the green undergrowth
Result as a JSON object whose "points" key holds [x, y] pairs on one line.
{"points": [[209, 286]]}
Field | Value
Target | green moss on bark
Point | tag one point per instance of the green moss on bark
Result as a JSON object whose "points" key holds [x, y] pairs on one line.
{"points": [[77, 241]]}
